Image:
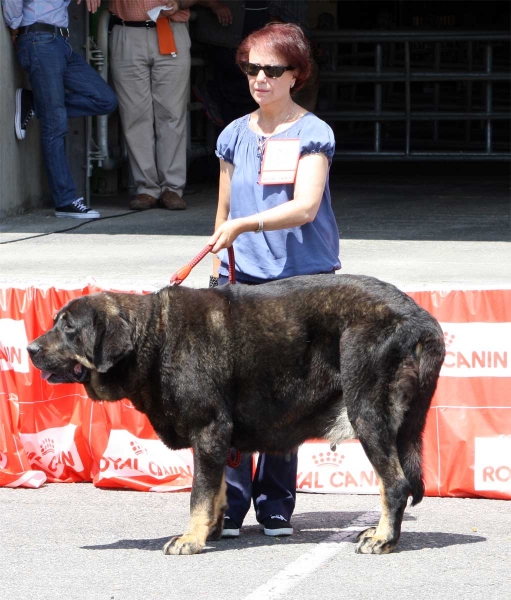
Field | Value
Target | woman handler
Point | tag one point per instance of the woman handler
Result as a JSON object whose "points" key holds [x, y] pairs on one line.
{"points": [[274, 207]]}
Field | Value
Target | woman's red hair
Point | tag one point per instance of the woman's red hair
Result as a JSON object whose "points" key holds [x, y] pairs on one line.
{"points": [[286, 40]]}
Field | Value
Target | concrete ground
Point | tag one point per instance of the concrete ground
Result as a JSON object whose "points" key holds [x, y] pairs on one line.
{"points": [[413, 230], [77, 542]]}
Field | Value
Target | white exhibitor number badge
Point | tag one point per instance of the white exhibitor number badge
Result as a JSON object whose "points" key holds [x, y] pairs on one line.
{"points": [[280, 161]]}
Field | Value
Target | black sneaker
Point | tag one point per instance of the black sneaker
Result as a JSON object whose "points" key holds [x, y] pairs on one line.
{"points": [[24, 112], [76, 210], [276, 525], [231, 528]]}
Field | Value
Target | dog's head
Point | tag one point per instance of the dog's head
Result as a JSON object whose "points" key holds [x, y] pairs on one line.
{"points": [[88, 334]]}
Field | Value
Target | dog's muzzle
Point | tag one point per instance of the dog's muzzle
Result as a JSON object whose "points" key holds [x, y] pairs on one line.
{"points": [[74, 373]]}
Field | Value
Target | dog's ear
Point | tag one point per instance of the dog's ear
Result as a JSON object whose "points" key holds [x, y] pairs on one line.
{"points": [[113, 342]]}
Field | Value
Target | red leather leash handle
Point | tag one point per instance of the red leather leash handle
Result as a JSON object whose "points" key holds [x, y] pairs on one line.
{"points": [[232, 270], [181, 274]]}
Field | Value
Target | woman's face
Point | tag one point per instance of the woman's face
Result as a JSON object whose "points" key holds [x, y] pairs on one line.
{"points": [[266, 90]]}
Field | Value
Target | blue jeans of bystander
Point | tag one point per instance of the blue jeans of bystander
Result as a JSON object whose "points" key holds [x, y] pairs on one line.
{"points": [[64, 85]]}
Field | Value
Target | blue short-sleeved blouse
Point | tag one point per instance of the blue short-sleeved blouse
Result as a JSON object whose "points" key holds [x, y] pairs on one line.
{"points": [[311, 248]]}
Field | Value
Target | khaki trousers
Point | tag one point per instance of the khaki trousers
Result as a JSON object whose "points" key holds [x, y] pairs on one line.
{"points": [[152, 90]]}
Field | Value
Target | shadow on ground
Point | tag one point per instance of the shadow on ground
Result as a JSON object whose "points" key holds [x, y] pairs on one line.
{"points": [[310, 528]]}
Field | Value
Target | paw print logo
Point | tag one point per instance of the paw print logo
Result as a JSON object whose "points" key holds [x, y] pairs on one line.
{"points": [[47, 445], [448, 339], [328, 458], [137, 448]]}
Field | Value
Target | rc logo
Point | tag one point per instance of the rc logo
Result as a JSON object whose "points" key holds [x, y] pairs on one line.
{"points": [[492, 464], [477, 350], [53, 450], [13, 344]]}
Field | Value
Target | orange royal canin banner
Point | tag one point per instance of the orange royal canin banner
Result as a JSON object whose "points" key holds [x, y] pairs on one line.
{"points": [[57, 434]]}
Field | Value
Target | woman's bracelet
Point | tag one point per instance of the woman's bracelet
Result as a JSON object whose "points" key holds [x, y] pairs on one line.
{"points": [[213, 281], [261, 225]]}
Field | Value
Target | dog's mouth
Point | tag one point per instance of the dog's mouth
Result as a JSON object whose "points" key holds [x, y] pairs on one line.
{"points": [[79, 374]]}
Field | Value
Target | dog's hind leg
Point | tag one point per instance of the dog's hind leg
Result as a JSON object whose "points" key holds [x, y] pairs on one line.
{"points": [[394, 444], [208, 500], [376, 423], [381, 451]]}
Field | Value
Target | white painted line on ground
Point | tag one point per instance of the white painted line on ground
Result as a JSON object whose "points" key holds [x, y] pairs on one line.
{"points": [[307, 563]]}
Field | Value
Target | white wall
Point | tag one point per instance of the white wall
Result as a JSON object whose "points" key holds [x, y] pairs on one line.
{"points": [[22, 180]]}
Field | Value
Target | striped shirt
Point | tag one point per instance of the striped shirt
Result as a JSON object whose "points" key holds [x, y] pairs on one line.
{"points": [[136, 10], [20, 13]]}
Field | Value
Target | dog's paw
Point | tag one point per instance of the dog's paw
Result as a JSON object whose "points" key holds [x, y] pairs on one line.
{"points": [[368, 543], [366, 533], [186, 544]]}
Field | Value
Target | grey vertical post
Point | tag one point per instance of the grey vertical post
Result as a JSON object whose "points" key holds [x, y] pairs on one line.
{"points": [[378, 99], [436, 93], [468, 103], [489, 96], [76, 141], [407, 97]]}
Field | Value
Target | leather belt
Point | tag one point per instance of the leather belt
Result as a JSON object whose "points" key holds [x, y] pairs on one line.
{"points": [[62, 31], [147, 24]]}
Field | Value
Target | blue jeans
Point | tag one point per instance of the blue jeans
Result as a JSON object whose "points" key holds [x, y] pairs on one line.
{"points": [[272, 489], [64, 85]]}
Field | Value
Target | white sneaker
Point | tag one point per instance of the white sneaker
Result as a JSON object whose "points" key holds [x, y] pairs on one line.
{"points": [[24, 112], [76, 210]]}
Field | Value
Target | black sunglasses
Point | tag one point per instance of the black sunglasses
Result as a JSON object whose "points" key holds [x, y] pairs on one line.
{"points": [[272, 71]]}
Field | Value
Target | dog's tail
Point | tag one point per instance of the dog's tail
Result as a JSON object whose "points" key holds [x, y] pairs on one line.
{"points": [[429, 353]]}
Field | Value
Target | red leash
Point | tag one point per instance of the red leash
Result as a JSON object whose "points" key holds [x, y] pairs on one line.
{"points": [[181, 274]]}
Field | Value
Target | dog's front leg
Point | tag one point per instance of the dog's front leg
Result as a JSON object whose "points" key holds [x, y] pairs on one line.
{"points": [[208, 501]]}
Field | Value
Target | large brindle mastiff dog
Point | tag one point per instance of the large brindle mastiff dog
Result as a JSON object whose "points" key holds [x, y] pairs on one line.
{"points": [[262, 368]]}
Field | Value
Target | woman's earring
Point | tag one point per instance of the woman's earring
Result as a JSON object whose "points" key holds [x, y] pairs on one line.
{"points": [[292, 84]]}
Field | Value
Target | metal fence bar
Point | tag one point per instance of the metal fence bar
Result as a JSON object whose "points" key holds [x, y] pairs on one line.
{"points": [[378, 100], [408, 105], [344, 36], [468, 87], [418, 156], [360, 76], [489, 94], [353, 115], [436, 93]]}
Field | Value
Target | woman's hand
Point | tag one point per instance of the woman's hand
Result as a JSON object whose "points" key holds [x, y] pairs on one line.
{"points": [[225, 235]]}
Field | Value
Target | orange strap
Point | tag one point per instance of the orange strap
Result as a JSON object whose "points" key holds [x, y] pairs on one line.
{"points": [[166, 37], [181, 274]]}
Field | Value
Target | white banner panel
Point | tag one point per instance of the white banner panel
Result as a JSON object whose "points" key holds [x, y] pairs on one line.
{"points": [[477, 350]]}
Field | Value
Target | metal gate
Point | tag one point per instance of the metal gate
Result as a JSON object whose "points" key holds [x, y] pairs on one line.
{"points": [[416, 95]]}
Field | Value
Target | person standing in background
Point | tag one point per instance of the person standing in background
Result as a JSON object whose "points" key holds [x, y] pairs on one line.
{"points": [[226, 97], [63, 85], [152, 88], [280, 225]]}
